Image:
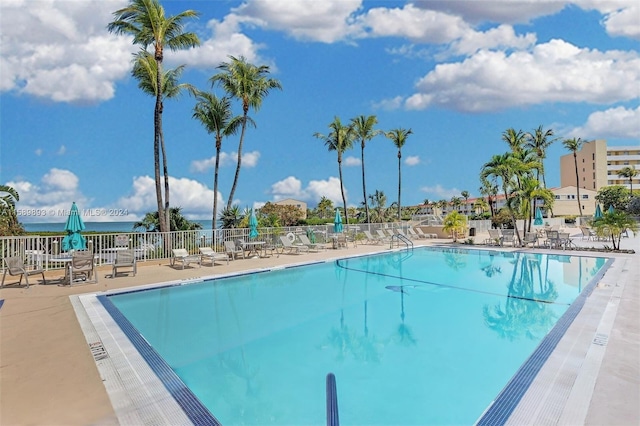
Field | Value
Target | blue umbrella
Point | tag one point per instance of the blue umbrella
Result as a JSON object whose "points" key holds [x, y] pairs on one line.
{"points": [[538, 220], [611, 209], [337, 222], [74, 240], [598, 213], [253, 225]]}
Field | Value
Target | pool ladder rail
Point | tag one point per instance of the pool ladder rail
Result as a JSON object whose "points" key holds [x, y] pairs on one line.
{"points": [[401, 238], [332, 401]]}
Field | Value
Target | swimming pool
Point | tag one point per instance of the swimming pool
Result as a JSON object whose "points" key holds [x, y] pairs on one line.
{"points": [[422, 337]]}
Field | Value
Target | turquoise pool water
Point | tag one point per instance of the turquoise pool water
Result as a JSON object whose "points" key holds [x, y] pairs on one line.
{"points": [[422, 337]]}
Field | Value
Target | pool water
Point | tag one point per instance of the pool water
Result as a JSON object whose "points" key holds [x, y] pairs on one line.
{"points": [[421, 337]]}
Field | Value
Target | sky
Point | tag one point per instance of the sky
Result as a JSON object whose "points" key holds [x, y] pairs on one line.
{"points": [[75, 127]]}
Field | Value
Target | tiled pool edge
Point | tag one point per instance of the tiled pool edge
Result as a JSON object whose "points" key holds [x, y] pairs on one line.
{"points": [[514, 404]]}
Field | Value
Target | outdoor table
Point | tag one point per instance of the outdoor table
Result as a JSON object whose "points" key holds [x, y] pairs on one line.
{"points": [[253, 247]]}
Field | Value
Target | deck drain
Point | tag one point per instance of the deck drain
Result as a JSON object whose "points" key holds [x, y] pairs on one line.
{"points": [[98, 351], [601, 339]]}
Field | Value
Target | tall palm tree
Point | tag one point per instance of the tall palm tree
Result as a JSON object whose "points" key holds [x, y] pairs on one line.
{"points": [[145, 70], [574, 145], [539, 140], [364, 131], [145, 20], [399, 138], [325, 206], [629, 173], [216, 116], [489, 189], [339, 139], [504, 167], [378, 204], [515, 139], [249, 84], [465, 194]]}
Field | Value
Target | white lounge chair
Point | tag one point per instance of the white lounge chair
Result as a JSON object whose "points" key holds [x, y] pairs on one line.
{"points": [[207, 253], [290, 247], [384, 238], [305, 241], [124, 259], [182, 256], [413, 234], [495, 238], [15, 267], [372, 239]]}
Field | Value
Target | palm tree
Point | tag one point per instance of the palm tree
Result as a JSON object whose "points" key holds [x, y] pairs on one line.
{"points": [[378, 203], [399, 138], [249, 84], [325, 206], [629, 173], [9, 224], [216, 116], [231, 217], [515, 139], [145, 70], [339, 139], [146, 22], [364, 131], [455, 202], [574, 146], [456, 223], [504, 167], [465, 195], [177, 222], [539, 141], [490, 190]]}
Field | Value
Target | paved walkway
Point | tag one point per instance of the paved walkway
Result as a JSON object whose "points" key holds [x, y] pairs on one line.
{"points": [[48, 375]]}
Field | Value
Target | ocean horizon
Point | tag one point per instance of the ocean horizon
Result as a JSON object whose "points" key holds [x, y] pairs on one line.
{"points": [[94, 226]]}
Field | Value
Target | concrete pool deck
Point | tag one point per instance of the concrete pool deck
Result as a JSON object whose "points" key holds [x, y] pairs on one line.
{"points": [[49, 375]]}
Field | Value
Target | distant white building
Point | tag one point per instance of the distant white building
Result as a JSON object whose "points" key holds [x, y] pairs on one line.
{"points": [[296, 203]]}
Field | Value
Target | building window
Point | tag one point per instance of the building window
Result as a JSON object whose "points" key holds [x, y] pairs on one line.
{"points": [[594, 185], [593, 166], [585, 196], [593, 156], [583, 160], [557, 197]]}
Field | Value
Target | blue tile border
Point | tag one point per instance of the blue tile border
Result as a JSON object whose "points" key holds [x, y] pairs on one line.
{"points": [[507, 400], [193, 408]]}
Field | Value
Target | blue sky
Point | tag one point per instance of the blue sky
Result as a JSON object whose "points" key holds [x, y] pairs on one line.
{"points": [[75, 127]]}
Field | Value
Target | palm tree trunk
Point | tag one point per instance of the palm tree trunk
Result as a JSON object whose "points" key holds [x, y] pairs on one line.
{"points": [[364, 187], [235, 178], [156, 157], [344, 200], [399, 183], [513, 216], [215, 183], [575, 161], [165, 170]]}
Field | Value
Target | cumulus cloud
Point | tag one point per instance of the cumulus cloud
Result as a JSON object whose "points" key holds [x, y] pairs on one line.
{"points": [[291, 187], [440, 192], [412, 160], [46, 45], [249, 159], [325, 21], [620, 16], [556, 71], [617, 122], [501, 37], [507, 11], [352, 161]]}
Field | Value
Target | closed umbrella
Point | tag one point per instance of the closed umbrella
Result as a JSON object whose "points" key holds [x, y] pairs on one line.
{"points": [[598, 213], [74, 240], [538, 219], [611, 209], [337, 222], [253, 225]]}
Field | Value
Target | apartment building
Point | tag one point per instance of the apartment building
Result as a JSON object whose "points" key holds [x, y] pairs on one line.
{"points": [[599, 165]]}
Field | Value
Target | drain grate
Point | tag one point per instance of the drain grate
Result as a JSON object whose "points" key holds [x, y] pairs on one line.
{"points": [[98, 351], [601, 339]]}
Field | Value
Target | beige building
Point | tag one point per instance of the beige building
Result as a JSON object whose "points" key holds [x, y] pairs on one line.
{"points": [[565, 203], [599, 165], [296, 203]]}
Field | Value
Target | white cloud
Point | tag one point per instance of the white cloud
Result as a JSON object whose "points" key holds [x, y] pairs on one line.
{"points": [[351, 161], [440, 192], [501, 37], [249, 159], [325, 21], [412, 160], [291, 187], [47, 44], [389, 104], [556, 71], [620, 16], [507, 11], [60, 180], [612, 123]]}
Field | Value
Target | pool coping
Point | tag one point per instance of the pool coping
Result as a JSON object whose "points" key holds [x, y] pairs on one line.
{"points": [[131, 399]]}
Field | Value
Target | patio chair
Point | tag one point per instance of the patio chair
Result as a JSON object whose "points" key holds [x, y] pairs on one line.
{"points": [[82, 267], [124, 259], [413, 234], [384, 238], [587, 233], [508, 236], [15, 267], [371, 239], [291, 247], [183, 256], [553, 239], [207, 253], [495, 238], [233, 250], [530, 238], [312, 246]]}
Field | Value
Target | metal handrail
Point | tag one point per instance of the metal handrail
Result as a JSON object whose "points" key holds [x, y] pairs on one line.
{"points": [[407, 242], [332, 401]]}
